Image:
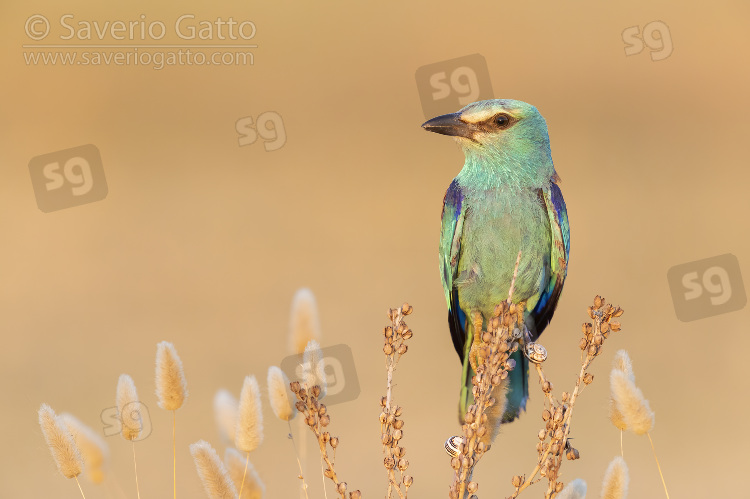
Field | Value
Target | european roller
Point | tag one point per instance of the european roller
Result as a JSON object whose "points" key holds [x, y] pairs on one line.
{"points": [[504, 200]]}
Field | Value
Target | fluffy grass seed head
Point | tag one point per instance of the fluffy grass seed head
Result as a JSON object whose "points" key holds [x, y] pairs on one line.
{"points": [[60, 442], [574, 490], [313, 367], [304, 324], [129, 408], [249, 433], [622, 363], [212, 472], [615, 485], [171, 387], [226, 409], [94, 450], [635, 409], [280, 395], [254, 487]]}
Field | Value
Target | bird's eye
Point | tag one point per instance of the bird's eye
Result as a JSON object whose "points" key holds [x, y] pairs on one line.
{"points": [[502, 120]]}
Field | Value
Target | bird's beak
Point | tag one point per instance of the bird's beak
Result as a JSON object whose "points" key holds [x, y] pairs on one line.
{"points": [[450, 124]]}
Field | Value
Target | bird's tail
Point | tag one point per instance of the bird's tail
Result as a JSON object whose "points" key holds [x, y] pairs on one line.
{"points": [[467, 373], [514, 393]]}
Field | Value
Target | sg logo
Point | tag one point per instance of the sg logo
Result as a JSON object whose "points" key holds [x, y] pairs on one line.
{"points": [[67, 178], [660, 46], [447, 86], [707, 287], [274, 137], [113, 422], [341, 376]]}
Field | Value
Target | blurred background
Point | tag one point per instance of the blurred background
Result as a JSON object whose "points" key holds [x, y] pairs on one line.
{"points": [[223, 188]]}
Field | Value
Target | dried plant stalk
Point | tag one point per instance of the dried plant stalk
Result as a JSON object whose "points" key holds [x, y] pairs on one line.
{"points": [[316, 417], [391, 428], [553, 438]]}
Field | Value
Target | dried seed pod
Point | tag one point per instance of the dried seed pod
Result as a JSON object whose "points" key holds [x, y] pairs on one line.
{"points": [[390, 418], [615, 325], [389, 463], [334, 442], [325, 420], [295, 386], [604, 327], [597, 301], [542, 434], [310, 420], [408, 480], [455, 463], [300, 406], [382, 417], [565, 396], [355, 495], [590, 311], [321, 410], [328, 473], [383, 401], [453, 445], [588, 378], [341, 488], [598, 339], [402, 349], [406, 309], [388, 349], [386, 438], [398, 411], [472, 487], [403, 464], [547, 387], [535, 352], [592, 350], [583, 344], [511, 363], [397, 435], [517, 481], [407, 334], [315, 391], [398, 424], [326, 436], [559, 487], [546, 415]]}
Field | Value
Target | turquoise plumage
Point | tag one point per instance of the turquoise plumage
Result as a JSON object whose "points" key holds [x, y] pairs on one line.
{"points": [[504, 200]]}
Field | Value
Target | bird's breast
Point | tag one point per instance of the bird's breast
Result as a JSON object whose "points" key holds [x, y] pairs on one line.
{"points": [[496, 227]]}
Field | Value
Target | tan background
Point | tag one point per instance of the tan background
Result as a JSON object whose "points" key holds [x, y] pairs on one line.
{"points": [[203, 242]]}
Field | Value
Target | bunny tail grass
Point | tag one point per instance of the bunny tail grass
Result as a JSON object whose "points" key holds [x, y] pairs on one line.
{"points": [[129, 408], [280, 395], [249, 433], [304, 323], [615, 484], [629, 399], [212, 472], [171, 390], [171, 387], [574, 490], [226, 409], [314, 367], [94, 450], [236, 464], [60, 442]]}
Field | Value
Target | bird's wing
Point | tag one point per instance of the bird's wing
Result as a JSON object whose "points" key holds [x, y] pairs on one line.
{"points": [[454, 212], [560, 251]]}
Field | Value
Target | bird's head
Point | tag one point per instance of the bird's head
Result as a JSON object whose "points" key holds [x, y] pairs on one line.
{"points": [[509, 134]]}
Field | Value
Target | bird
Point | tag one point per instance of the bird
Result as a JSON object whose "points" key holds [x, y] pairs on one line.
{"points": [[505, 199]]}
